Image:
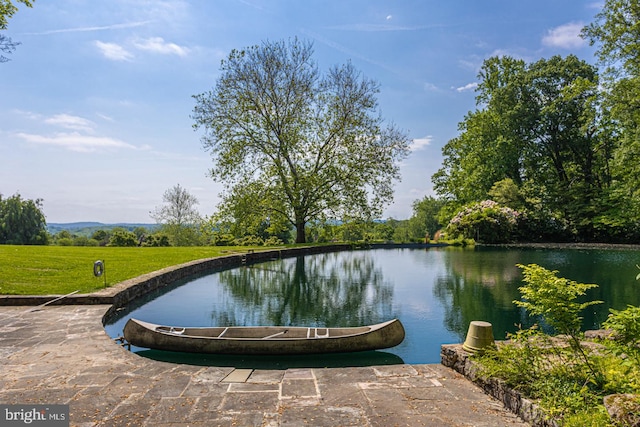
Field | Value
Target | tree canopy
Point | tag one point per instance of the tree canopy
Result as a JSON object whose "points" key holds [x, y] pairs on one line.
{"points": [[616, 33], [300, 145], [541, 126], [22, 221]]}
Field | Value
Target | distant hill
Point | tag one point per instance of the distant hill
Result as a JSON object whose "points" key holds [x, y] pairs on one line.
{"points": [[88, 228], [74, 225]]}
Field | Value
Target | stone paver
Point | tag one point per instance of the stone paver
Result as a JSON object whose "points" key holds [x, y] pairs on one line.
{"points": [[62, 355]]}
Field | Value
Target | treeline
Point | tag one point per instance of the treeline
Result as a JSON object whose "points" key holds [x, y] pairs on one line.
{"points": [[111, 236], [555, 141], [22, 222], [390, 230]]}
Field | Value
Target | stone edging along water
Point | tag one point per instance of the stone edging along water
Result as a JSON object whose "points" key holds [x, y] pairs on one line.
{"points": [[120, 294], [124, 292], [455, 357]]}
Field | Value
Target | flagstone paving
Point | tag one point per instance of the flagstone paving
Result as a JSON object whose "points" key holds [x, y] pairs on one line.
{"points": [[62, 355]]}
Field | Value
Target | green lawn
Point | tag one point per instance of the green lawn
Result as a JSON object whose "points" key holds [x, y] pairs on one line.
{"points": [[43, 270]]}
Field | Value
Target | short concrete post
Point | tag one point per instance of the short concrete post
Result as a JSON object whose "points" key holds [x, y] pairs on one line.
{"points": [[479, 337]]}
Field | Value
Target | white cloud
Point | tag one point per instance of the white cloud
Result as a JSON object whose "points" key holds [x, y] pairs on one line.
{"points": [[75, 141], [467, 87], [80, 136], [71, 122], [420, 143], [114, 51], [158, 45], [565, 36], [389, 17]]}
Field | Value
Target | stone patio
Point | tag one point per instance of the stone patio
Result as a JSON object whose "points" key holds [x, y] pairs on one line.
{"points": [[62, 355]]}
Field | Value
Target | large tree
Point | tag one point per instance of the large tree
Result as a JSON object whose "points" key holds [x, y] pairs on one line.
{"points": [[301, 145], [616, 33], [22, 222], [541, 126]]}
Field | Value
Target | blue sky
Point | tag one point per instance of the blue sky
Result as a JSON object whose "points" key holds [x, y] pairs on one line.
{"points": [[95, 103]]}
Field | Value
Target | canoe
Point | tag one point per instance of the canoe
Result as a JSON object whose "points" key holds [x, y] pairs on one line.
{"points": [[265, 340]]}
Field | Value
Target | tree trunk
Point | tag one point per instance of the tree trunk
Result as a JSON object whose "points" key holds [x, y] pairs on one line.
{"points": [[300, 234]]}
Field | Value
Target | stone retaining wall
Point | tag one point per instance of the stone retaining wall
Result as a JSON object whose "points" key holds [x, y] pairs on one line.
{"points": [[122, 293], [454, 357]]}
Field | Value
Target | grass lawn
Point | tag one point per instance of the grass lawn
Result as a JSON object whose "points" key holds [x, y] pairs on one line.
{"points": [[44, 270]]}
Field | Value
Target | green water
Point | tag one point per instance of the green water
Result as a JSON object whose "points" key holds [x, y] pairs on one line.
{"points": [[434, 292]]}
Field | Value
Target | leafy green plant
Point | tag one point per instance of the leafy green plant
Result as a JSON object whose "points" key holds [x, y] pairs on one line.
{"points": [[567, 378], [553, 298], [273, 241], [621, 374], [486, 222], [541, 368], [156, 240], [625, 325], [521, 363], [122, 237], [249, 240]]}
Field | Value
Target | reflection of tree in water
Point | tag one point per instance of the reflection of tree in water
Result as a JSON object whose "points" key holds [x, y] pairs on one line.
{"points": [[335, 289], [480, 287]]}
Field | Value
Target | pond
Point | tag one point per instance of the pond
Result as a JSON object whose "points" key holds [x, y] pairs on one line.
{"points": [[435, 292]]}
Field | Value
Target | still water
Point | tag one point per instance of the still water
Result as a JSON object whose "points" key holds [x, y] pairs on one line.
{"points": [[435, 292]]}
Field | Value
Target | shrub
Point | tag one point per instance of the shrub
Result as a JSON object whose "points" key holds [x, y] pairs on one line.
{"points": [[553, 298], [64, 241], [157, 240], [223, 239], [101, 236], [249, 241], [625, 325], [122, 237], [485, 222], [84, 241], [273, 241]]}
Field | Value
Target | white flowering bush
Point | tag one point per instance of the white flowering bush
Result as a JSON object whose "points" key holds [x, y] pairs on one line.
{"points": [[485, 222]]}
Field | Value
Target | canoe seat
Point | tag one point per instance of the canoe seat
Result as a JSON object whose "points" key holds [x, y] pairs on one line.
{"points": [[316, 334], [325, 335]]}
